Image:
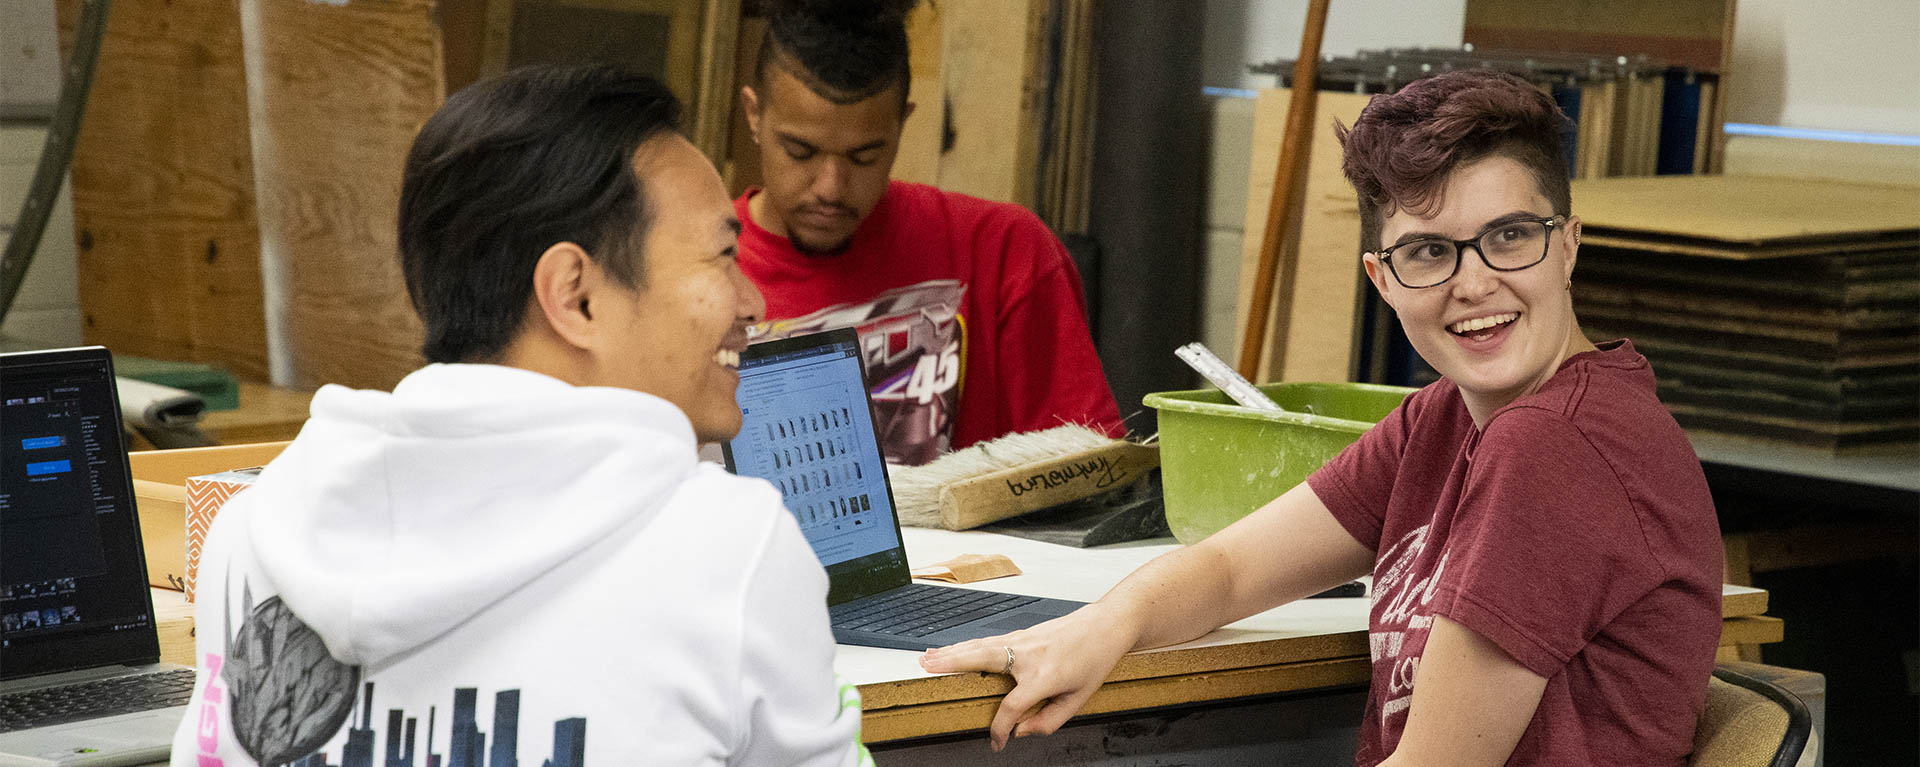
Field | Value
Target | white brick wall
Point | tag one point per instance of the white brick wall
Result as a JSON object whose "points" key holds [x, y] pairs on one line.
{"points": [[47, 310], [1232, 151]]}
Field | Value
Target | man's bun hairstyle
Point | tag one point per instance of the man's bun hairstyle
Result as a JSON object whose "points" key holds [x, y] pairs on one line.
{"points": [[845, 51]]}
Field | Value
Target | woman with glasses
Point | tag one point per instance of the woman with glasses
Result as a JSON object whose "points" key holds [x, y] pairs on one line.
{"points": [[1546, 562]]}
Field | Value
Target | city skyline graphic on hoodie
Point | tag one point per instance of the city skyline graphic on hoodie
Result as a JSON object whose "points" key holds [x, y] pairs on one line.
{"points": [[290, 697]]}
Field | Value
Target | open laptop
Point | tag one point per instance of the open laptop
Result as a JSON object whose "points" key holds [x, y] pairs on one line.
{"points": [[808, 428], [80, 677]]}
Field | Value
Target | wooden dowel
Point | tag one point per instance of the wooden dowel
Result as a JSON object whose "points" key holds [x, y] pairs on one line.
{"points": [[1289, 191]]}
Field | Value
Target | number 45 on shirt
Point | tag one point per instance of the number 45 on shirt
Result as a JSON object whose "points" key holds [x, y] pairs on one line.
{"points": [[933, 376]]}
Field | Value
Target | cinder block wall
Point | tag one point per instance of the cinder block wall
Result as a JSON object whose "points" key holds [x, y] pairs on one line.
{"points": [[47, 310]]}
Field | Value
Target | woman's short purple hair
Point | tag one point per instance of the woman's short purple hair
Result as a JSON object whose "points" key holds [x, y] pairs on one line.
{"points": [[1402, 148]]}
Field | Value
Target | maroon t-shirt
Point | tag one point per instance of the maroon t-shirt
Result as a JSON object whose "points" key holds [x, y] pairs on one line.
{"points": [[1575, 531], [971, 316]]}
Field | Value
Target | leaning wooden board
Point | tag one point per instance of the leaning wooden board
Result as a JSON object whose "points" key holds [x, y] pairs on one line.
{"points": [[1322, 301], [991, 70], [163, 189], [327, 160]]}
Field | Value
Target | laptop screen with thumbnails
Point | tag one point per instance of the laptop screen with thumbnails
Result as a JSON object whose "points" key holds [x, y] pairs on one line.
{"points": [[807, 427]]}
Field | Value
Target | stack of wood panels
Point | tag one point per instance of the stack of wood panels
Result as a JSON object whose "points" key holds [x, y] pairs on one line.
{"points": [[1065, 160], [1633, 115], [1693, 35], [1786, 309]]}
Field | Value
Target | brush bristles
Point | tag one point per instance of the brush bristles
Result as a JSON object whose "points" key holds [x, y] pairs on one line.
{"points": [[916, 489]]}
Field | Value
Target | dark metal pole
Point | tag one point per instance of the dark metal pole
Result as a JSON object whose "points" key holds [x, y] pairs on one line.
{"points": [[1149, 193]]}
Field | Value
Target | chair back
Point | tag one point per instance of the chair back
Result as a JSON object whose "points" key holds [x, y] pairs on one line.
{"points": [[1750, 722]]}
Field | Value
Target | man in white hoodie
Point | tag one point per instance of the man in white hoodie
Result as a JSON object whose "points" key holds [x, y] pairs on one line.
{"points": [[515, 557]]}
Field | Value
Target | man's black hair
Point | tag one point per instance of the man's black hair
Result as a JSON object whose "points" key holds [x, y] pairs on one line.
{"points": [[845, 51], [506, 169]]}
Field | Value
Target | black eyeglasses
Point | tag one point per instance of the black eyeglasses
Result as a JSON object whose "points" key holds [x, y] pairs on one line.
{"points": [[1505, 247]]}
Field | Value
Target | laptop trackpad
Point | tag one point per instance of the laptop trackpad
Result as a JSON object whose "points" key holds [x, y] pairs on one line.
{"points": [[124, 739], [1017, 620]]}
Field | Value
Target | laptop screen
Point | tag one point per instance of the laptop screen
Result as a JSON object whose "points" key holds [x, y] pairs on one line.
{"points": [[807, 427], [73, 579]]}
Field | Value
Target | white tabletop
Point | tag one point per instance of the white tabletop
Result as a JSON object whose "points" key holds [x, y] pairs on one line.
{"points": [[1064, 572]]}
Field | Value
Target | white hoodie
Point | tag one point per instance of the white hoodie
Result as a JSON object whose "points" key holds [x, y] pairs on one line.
{"points": [[492, 567]]}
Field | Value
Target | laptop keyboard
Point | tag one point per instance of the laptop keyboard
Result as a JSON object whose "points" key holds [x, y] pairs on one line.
{"points": [[917, 609], [50, 706]]}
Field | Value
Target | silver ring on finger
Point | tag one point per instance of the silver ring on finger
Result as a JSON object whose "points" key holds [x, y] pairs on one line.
{"points": [[1008, 669]]}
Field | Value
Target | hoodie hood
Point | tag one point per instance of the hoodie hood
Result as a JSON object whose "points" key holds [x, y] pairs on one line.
{"points": [[396, 517]]}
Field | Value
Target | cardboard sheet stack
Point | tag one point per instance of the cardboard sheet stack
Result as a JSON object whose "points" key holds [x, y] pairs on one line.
{"points": [[1786, 309]]}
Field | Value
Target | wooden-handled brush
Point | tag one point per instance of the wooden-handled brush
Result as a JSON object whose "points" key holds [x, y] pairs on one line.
{"points": [[1016, 474]]}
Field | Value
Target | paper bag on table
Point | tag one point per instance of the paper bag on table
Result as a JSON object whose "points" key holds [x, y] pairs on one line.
{"points": [[968, 568]]}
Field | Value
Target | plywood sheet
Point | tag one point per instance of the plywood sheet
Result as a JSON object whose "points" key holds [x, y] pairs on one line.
{"points": [[1809, 158], [338, 93], [1746, 210], [715, 78], [1687, 246], [993, 75], [742, 166], [1843, 280], [1660, 305], [918, 160], [1322, 300], [163, 197], [1746, 335], [1824, 435], [1066, 156], [1664, 344], [1736, 389]]}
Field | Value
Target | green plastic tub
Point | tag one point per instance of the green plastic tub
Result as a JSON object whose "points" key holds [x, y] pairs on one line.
{"points": [[1219, 461]]}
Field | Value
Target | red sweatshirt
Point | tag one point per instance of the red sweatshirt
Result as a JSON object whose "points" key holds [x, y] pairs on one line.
{"points": [[970, 313]]}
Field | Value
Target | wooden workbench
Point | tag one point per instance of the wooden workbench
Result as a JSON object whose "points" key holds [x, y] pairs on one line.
{"points": [[266, 414], [1307, 645]]}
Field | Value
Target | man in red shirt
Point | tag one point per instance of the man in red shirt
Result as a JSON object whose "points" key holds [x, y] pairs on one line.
{"points": [[971, 314]]}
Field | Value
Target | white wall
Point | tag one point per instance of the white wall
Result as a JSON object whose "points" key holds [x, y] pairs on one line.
{"points": [[1240, 32], [29, 53], [1831, 65]]}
